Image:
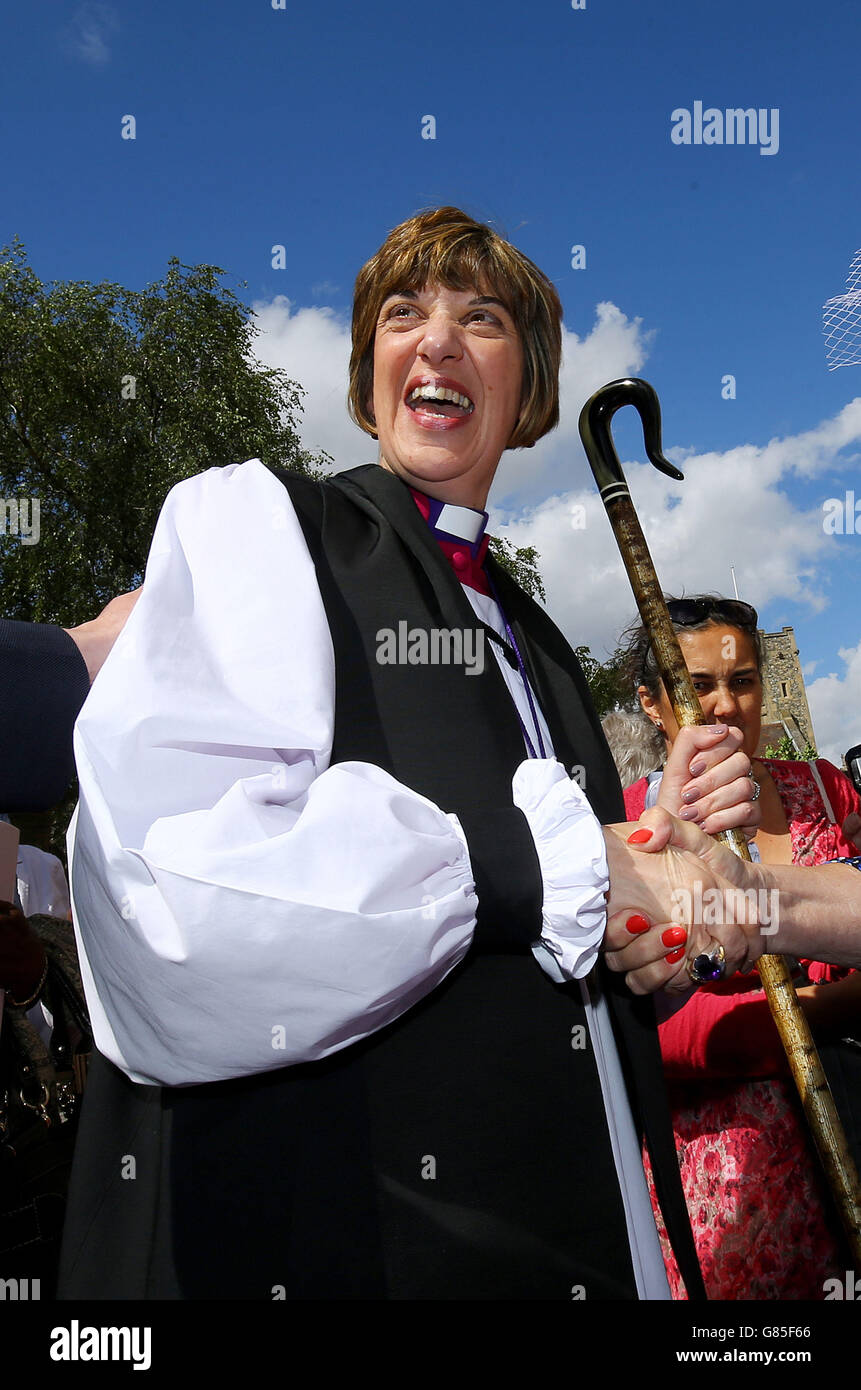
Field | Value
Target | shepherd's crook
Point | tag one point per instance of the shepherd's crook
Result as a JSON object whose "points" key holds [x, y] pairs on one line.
{"points": [[795, 1035]]}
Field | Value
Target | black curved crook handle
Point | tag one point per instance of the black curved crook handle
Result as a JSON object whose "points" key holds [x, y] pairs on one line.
{"points": [[595, 418]]}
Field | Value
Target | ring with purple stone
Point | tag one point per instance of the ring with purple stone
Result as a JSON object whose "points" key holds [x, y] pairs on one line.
{"points": [[709, 966]]}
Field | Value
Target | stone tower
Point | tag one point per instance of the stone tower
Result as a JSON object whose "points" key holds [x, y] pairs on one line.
{"points": [[784, 699]]}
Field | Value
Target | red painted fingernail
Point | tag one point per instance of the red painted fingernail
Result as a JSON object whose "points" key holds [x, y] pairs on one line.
{"points": [[675, 956], [637, 924], [640, 837], [674, 936]]}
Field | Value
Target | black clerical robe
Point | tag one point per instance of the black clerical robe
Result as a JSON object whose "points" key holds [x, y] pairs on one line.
{"points": [[461, 1152]]}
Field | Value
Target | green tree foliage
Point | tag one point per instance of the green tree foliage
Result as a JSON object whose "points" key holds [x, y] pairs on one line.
{"points": [[521, 562], [787, 750], [108, 397], [608, 684]]}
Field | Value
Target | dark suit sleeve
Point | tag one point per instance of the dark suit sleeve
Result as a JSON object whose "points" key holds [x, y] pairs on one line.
{"points": [[508, 880], [43, 683]]}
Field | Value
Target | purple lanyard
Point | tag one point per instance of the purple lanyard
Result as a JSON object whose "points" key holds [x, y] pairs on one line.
{"points": [[513, 640]]}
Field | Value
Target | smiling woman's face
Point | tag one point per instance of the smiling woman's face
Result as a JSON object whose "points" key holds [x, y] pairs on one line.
{"points": [[462, 343]]}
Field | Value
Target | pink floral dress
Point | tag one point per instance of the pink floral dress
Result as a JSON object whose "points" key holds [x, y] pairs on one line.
{"points": [[761, 1217]]}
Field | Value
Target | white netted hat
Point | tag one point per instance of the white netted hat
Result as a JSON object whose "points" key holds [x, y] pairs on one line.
{"points": [[841, 321]]}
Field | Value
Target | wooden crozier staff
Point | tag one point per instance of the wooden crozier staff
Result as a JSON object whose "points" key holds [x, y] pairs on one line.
{"points": [[813, 1088]]}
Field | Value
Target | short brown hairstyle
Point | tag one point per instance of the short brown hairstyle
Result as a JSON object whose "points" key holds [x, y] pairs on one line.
{"points": [[444, 246]]}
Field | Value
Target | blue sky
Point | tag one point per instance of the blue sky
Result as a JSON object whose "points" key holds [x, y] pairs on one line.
{"points": [[302, 126]]}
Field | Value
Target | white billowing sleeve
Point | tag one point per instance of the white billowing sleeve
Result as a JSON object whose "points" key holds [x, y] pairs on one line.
{"points": [[240, 904], [570, 846]]}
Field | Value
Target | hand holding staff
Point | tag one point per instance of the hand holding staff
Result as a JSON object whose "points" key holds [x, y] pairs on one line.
{"points": [[795, 1035]]}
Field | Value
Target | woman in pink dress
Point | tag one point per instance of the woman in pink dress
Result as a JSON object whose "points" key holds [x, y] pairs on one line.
{"points": [[758, 1206]]}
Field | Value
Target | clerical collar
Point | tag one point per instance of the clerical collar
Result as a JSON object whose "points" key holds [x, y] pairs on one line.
{"points": [[459, 525], [459, 533]]}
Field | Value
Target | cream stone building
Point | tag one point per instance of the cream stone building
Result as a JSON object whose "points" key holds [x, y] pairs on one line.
{"points": [[784, 699]]}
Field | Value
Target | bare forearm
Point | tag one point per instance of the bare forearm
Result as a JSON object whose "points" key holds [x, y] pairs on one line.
{"points": [[818, 911], [684, 877]]}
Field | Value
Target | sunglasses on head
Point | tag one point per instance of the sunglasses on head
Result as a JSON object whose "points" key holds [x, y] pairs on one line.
{"points": [[687, 611]]}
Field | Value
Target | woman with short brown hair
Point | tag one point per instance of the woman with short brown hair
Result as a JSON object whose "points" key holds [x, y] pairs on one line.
{"points": [[327, 836]]}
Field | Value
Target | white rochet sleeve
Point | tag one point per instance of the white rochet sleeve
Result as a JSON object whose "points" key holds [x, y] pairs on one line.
{"points": [[241, 904]]}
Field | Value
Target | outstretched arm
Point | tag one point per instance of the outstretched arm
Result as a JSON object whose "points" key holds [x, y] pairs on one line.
{"points": [[43, 683], [45, 677], [774, 907]]}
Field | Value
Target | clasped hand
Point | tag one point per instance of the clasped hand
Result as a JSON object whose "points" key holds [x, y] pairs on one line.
{"points": [[694, 884], [666, 907], [707, 780]]}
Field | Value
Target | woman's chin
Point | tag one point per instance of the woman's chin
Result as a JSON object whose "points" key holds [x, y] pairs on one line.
{"points": [[432, 460], [443, 475]]}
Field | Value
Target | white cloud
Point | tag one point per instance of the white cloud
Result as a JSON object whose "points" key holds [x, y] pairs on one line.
{"points": [[88, 32], [835, 706], [734, 508], [313, 346], [616, 347]]}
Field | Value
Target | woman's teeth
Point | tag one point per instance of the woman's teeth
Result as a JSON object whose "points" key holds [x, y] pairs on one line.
{"points": [[439, 393]]}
